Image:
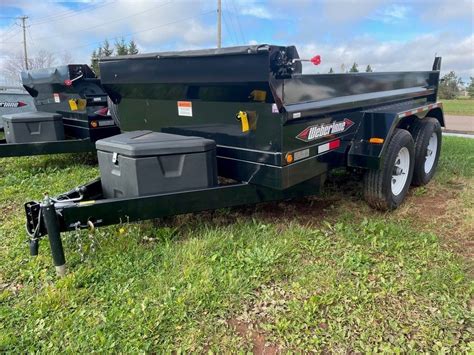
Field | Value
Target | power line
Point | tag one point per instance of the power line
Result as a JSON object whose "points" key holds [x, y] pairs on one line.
{"points": [[237, 14], [229, 30], [13, 35], [145, 30], [106, 23], [67, 14]]}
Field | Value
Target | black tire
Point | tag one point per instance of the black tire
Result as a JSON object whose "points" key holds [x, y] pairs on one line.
{"points": [[113, 110], [422, 130], [378, 183]]}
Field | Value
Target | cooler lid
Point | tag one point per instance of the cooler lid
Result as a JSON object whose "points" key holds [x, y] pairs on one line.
{"points": [[146, 143], [35, 116]]}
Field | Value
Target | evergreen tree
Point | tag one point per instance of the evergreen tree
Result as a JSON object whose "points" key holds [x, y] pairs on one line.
{"points": [[121, 47], [354, 68], [449, 86], [368, 69], [331, 71], [470, 88], [132, 47], [106, 50], [95, 62]]}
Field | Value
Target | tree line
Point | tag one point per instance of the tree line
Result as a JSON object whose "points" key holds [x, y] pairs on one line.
{"points": [[106, 50], [353, 69], [450, 86]]}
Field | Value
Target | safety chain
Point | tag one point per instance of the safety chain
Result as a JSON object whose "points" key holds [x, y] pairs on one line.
{"points": [[91, 235], [79, 240]]}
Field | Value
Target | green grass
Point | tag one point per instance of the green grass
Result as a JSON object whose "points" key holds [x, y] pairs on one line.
{"points": [[461, 107], [353, 281]]}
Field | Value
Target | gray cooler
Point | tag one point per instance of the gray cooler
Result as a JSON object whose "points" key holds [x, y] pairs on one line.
{"points": [[30, 127], [142, 163]]}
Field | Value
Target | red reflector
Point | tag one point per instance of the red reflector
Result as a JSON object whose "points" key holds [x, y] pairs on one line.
{"points": [[68, 82], [335, 144], [102, 112]]}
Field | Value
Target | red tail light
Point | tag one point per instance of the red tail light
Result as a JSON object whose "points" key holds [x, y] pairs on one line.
{"points": [[68, 82], [21, 104]]}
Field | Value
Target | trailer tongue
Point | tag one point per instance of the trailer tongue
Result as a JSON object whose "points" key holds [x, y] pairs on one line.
{"points": [[276, 133]]}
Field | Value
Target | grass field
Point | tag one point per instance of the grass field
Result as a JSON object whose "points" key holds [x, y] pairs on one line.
{"points": [[461, 107], [325, 274]]}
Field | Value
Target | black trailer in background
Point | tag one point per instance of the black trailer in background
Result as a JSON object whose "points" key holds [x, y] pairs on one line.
{"points": [[74, 92]]}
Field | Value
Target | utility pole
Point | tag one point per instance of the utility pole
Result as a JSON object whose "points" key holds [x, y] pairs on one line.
{"points": [[23, 19], [219, 23]]}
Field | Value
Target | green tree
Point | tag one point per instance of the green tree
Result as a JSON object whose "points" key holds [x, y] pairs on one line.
{"points": [[449, 86], [132, 47], [121, 48], [354, 68], [107, 51], [470, 88], [331, 71], [95, 62], [368, 69]]}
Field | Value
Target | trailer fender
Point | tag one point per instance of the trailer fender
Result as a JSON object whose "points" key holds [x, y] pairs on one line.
{"points": [[379, 126]]}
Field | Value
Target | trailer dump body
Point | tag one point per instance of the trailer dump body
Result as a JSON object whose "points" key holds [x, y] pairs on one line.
{"points": [[74, 92], [201, 93], [272, 130]]}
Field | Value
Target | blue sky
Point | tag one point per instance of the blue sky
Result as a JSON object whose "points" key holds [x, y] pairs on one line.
{"points": [[388, 35]]}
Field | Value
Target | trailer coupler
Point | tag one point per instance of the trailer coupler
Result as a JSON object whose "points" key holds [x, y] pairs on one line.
{"points": [[42, 218]]}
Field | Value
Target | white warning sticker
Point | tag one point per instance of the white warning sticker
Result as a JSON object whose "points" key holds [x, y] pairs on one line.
{"points": [[56, 98], [185, 108]]}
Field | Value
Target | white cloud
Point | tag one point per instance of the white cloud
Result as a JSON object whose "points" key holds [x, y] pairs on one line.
{"points": [[447, 10], [416, 54], [391, 14], [186, 24], [257, 11], [348, 10]]}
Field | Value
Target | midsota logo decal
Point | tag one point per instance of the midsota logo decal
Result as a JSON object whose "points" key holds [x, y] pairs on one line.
{"points": [[312, 133], [12, 104]]}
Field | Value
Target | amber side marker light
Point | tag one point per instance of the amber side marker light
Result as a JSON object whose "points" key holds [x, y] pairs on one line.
{"points": [[376, 140], [289, 158], [94, 124]]}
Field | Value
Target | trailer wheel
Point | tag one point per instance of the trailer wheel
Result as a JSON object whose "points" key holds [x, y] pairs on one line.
{"points": [[427, 136], [386, 188], [113, 110]]}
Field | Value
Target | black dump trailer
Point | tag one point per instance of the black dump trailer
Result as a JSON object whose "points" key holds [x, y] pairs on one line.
{"points": [[249, 115], [71, 113]]}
